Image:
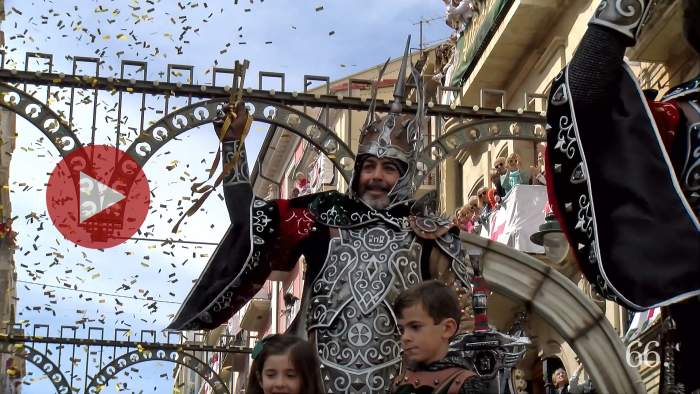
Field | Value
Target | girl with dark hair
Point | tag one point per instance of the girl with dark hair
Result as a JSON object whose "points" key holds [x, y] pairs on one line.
{"points": [[284, 364]]}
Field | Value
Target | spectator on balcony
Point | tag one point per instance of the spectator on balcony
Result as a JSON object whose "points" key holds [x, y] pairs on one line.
{"points": [[467, 216], [444, 76], [485, 207], [513, 176], [301, 185], [499, 170], [473, 212], [284, 364], [459, 13], [561, 384], [538, 177], [483, 199], [494, 199], [462, 219], [443, 56]]}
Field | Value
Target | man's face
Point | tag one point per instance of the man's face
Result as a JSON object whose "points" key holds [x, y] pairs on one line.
{"points": [[560, 378], [377, 178], [500, 167], [422, 340]]}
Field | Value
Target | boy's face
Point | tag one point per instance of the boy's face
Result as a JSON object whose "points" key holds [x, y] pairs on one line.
{"points": [[422, 340]]}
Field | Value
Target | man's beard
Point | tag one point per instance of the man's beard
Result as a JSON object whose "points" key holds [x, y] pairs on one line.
{"points": [[376, 202]]}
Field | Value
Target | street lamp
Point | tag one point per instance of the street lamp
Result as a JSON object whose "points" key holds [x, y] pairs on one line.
{"points": [[556, 246]]}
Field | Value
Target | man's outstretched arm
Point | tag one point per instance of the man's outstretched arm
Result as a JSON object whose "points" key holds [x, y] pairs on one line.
{"points": [[238, 268]]}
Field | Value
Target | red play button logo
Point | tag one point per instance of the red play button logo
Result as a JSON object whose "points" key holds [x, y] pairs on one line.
{"points": [[97, 196]]}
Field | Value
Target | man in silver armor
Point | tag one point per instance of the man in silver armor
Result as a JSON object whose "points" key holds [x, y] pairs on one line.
{"points": [[361, 250]]}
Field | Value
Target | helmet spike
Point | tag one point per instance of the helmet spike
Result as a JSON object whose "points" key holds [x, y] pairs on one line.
{"points": [[373, 101], [400, 89], [420, 109]]}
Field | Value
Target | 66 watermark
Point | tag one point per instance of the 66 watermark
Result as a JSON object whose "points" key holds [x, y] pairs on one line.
{"points": [[638, 355]]}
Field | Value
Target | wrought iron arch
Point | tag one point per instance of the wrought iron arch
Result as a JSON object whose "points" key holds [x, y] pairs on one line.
{"points": [[476, 186], [503, 152], [191, 116], [42, 362], [469, 133], [60, 134], [138, 356]]}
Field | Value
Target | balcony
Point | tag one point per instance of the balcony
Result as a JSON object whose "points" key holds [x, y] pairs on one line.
{"points": [[664, 25], [471, 43], [521, 214], [501, 37], [257, 312], [234, 361]]}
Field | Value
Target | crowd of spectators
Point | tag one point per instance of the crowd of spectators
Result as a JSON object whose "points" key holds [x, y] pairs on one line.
{"points": [[505, 174], [459, 15]]}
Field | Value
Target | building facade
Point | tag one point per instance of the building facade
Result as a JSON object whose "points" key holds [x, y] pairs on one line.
{"points": [[12, 368]]}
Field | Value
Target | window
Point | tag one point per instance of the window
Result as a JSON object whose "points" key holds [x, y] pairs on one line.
{"points": [[476, 186]]}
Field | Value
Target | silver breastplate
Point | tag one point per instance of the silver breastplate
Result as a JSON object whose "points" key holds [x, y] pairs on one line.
{"points": [[350, 315]]}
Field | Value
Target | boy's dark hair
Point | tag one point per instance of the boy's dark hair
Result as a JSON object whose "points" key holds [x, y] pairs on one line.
{"points": [[439, 300], [303, 356]]}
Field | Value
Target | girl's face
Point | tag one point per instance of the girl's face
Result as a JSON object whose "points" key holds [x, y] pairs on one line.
{"points": [[512, 164], [279, 376]]}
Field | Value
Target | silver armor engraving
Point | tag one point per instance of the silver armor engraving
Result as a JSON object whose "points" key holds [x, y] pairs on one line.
{"points": [[350, 316]]}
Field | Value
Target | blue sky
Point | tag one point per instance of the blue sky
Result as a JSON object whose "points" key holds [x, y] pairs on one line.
{"points": [[297, 37]]}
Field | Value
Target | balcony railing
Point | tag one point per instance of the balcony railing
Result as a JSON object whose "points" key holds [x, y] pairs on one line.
{"points": [[256, 313], [476, 37]]}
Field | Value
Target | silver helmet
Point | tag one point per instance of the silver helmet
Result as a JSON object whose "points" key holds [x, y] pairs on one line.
{"points": [[394, 136]]}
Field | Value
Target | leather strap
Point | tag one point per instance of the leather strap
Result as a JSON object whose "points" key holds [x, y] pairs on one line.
{"points": [[451, 379]]}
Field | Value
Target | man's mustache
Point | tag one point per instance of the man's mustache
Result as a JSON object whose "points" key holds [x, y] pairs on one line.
{"points": [[378, 185]]}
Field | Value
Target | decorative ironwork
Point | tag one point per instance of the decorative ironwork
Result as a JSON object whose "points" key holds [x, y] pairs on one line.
{"points": [[42, 362], [269, 106], [114, 355], [198, 114], [313, 100], [470, 133], [40, 115], [138, 356]]}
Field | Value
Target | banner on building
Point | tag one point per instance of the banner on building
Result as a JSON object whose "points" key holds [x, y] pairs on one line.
{"points": [[519, 216]]}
